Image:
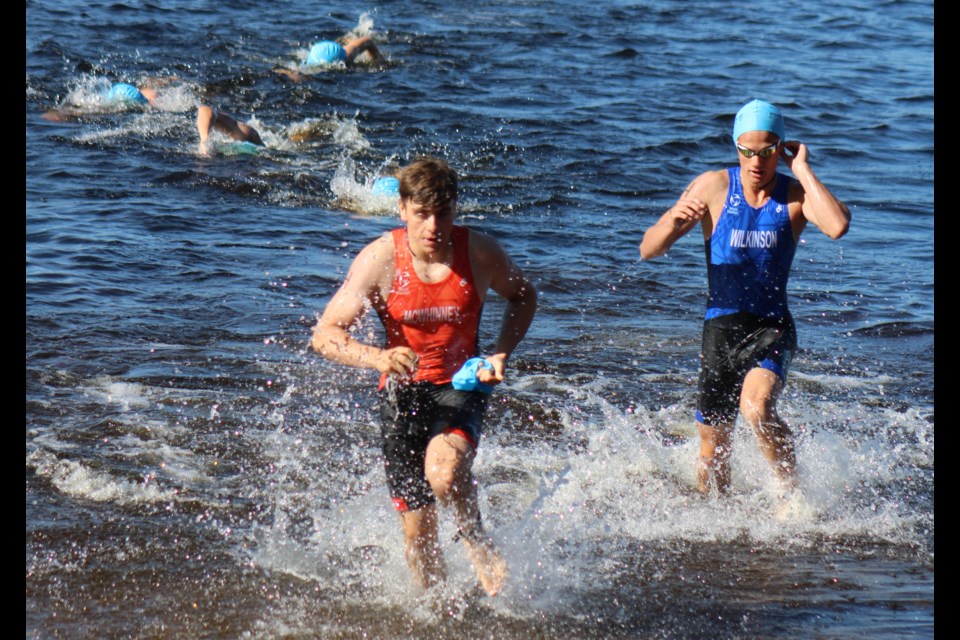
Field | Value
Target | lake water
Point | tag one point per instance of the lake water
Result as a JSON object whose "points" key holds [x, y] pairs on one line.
{"points": [[192, 470]]}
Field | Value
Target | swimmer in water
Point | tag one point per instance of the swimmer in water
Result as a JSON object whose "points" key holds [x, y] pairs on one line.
{"points": [[327, 52], [386, 186], [127, 94], [120, 95], [209, 118]]}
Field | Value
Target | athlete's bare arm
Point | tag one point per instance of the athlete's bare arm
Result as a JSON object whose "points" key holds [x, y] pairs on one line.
{"points": [[818, 204], [367, 284], [494, 269], [697, 200], [363, 44]]}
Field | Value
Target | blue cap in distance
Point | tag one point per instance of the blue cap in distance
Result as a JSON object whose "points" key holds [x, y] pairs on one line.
{"points": [[386, 186], [123, 92], [326, 52]]}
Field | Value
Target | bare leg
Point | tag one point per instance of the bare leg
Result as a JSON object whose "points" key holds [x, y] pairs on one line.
{"points": [[424, 556], [448, 463], [714, 457], [290, 74], [758, 404], [60, 115]]}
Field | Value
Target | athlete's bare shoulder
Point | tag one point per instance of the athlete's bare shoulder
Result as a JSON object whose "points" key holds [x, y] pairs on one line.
{"points": [[709, 186], [490, 262], [485, 250], [481, 241], [382, 247], [372, 270]]}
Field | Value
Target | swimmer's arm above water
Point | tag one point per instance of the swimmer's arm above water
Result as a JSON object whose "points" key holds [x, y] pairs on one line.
{"points": [[208, 119], [363, 44], [369, 275]]}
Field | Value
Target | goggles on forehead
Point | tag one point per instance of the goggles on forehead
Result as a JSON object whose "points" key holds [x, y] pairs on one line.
{"points": [[766, 152]]}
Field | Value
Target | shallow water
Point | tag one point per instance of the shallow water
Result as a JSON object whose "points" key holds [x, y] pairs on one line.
{"points": [[193, 471]]}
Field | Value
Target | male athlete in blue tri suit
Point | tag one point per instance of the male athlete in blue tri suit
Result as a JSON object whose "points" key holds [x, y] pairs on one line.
{"points": [[751, 218]]}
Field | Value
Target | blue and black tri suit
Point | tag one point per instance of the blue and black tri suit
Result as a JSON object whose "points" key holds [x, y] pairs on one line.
{"points": [[747, 323]]}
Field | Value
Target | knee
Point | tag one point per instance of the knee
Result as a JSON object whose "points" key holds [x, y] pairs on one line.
{"points": [[448, 467], [757, 410], [442, 477], [762, 416]]}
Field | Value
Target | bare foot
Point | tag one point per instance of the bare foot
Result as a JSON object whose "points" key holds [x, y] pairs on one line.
{"points": [[55, 115], [490, 565], [290, 74]]}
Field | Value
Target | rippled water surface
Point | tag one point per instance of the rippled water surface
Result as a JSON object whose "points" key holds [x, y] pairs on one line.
{"points": [[193, 471]]}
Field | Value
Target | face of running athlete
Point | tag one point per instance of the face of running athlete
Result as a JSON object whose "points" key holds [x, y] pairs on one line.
{"points": [[758, 171], [429, 228]]}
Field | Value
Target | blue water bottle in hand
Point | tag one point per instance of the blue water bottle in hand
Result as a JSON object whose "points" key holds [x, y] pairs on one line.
{"points": [[466, 378]]}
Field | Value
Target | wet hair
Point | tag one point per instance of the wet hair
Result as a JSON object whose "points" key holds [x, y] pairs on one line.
{"points": [[428, 181]]}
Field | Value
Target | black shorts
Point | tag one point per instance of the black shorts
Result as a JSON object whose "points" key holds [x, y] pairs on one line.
{"points": [[732, 346], [410, 416]]}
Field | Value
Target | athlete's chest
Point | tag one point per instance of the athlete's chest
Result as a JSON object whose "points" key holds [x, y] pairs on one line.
{"points": [[745, 233], [414, 301]]}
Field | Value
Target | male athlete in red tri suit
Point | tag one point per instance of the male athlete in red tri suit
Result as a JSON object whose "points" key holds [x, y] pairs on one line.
{"points": [[427, 282]]}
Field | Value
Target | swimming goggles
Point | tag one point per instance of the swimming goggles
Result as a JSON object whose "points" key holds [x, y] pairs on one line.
{"points": [[766, 152]]}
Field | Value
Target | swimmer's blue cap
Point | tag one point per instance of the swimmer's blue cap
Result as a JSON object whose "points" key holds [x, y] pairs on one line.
{"points": [[466, 378], [386, 186], [758, 115], [326, 52], [123, 92]]}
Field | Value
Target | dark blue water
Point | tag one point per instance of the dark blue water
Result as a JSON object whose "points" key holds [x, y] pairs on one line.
{"points": [[193, 471]]}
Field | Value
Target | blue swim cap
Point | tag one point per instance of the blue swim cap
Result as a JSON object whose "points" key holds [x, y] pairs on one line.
{"points": [[466, 378], [758, 115], [326, 52], [387, 186], [126, 93]]}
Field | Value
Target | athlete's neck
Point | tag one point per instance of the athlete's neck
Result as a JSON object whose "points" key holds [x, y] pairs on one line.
{"points": [[440, 255], [758, 195]]}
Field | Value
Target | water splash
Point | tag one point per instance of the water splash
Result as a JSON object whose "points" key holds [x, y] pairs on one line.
{"points": [[76, 479], [90, 94], [601, 478], [352, 185], [364, 26]]}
